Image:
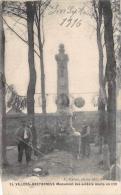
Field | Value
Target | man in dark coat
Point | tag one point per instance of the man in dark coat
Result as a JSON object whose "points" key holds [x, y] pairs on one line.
{"points": [[85, 140], [24, 141]]}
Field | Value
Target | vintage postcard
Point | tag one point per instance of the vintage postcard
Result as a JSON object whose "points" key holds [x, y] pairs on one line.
{"points": [[60, 97]]}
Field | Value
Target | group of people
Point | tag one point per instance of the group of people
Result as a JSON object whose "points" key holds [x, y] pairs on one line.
{"points": [[24, 141]]}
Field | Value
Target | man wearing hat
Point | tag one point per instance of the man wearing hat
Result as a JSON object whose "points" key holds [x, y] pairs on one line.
{"points": [[24, 140]]}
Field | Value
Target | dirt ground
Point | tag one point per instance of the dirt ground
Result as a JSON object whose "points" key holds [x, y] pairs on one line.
{"points": [[56, 163]]}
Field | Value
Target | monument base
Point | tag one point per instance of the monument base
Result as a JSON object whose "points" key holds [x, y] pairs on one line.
{"points": [[70, 137], [66, 122]]}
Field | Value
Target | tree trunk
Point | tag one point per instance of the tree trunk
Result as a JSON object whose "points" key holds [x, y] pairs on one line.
{"points": [[101, 104], [42, 77], [111, 78], [3, 160], [42, 71], [42, 81], [43, 95], [32, 82]]}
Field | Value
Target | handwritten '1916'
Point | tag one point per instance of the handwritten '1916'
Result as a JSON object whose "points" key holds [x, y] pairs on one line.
{"points": [[71, 22]]}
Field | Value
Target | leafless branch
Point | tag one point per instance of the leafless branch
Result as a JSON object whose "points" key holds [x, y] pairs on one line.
{"points": [[14, 31], [19, 36], [16, 14], [18, 21], [47, 4], [18, 24], [17, 8]]}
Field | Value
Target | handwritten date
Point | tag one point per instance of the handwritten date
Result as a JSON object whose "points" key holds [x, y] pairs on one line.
{"points": [[71, 22]]}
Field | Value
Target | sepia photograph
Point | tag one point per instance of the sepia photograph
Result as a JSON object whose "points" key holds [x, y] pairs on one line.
{"points": [[60, 91]]}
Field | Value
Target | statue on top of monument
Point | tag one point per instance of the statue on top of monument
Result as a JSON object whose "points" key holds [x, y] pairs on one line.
{"points": [[61, 57]]}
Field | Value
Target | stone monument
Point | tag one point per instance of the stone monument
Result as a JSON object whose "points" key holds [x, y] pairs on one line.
{"points": [[63, 102], [62, 80]]}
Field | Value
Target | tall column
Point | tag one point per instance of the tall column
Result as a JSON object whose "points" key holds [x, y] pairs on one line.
{"points": [[62, 80]]}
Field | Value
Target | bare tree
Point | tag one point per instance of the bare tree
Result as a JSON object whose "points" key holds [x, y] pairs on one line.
{"points": [[40, 9], [110, 77], [2, 92], [26, 12], [18, 9], [95, 12], [38, 22], [30, 11]]}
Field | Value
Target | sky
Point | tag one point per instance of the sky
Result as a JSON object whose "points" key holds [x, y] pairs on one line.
{"points": [[80, 45]]}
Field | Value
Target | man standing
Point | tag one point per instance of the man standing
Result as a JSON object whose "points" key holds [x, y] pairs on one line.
{"points": [[85, 140], [24, 140]]}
